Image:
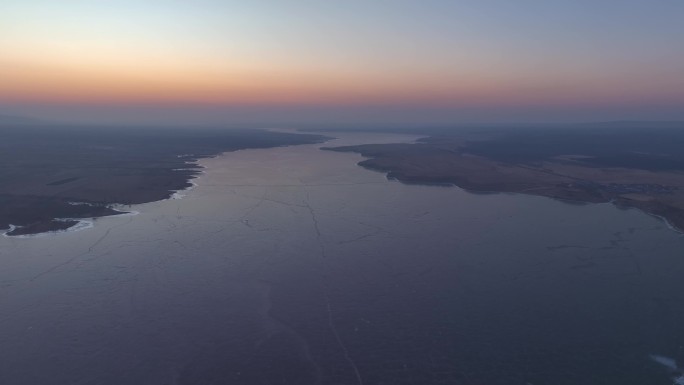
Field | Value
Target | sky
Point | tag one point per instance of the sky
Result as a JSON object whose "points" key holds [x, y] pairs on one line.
{"points": [[342, 62]]}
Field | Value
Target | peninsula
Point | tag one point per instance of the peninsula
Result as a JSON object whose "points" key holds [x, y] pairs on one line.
{"points": [[51, 175], [632, 165]]}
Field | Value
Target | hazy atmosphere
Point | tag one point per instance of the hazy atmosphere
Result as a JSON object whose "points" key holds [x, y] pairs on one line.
{"points": [[280, 62], [485, 192]]}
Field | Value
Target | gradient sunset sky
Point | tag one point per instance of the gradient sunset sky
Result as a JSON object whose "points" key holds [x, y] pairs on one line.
{"points": [[343, 62]]}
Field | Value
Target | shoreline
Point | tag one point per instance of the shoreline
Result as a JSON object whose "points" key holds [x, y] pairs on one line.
{"points": [[81, 224], [88, 222], [664, 219], [668, 223], [399, 166], [80, 181]]}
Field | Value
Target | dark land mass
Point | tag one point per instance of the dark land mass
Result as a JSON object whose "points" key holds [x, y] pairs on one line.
{"points": [[45, 169], [43, 227], [632, 164]]}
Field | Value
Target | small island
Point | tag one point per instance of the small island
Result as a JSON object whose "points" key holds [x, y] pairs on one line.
{"points": [[631, 165]]}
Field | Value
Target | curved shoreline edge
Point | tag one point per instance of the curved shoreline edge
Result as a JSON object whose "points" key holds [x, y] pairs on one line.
{"points": [[171, 174], [397, 167]]}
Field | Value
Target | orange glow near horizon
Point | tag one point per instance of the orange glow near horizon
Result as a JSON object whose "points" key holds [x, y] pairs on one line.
{"points": [[179, 53], [109, 81], [91, 73], [159, 80], [63, 83]]}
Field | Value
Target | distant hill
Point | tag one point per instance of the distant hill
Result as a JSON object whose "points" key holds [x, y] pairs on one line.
{"points": [[637, 124], [12, 119]]}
